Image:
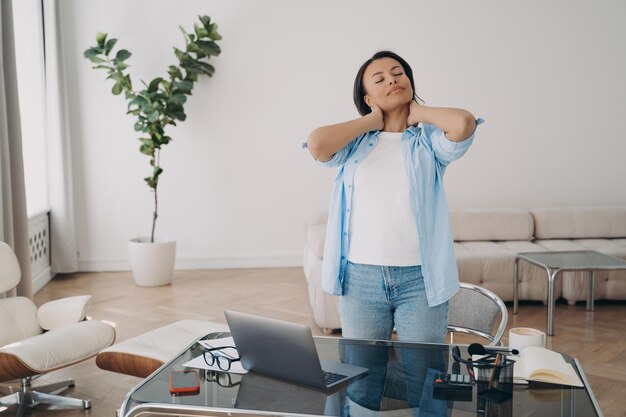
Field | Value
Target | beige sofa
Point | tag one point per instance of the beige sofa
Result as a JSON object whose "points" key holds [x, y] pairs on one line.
{"points": [[486, 242]]}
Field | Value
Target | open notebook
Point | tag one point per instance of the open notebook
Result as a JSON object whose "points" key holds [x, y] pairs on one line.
{"points": [[543, 365]]}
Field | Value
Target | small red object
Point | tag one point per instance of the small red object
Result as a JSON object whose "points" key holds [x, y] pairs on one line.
{"points": [[184, 382]]}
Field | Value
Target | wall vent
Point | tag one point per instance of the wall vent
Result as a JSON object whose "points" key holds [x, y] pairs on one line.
{"points": [[39, 241]]}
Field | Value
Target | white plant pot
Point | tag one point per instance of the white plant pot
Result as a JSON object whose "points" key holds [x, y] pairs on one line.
{"points": [[152, 263]]}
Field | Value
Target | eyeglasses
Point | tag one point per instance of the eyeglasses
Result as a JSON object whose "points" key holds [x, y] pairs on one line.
{"points": [[223, 362], [221, 378]]}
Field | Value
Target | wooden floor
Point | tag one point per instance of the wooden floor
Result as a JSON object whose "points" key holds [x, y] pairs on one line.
{"points": [[596, 339]]}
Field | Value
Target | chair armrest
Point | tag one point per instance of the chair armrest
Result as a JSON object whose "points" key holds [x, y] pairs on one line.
{"points": [[64, 311]]}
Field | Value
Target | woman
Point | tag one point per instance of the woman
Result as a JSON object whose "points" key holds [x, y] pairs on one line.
{"points": [[388, 249]]}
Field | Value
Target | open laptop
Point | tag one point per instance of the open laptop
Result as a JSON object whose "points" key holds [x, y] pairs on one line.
{"points": [[284, 350]]}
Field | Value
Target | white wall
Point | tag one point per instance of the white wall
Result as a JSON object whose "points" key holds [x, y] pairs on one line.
{"points": [[548, 77]]}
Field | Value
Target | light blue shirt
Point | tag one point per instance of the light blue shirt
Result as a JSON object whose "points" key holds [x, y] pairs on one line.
{"points": [[426, 153]]}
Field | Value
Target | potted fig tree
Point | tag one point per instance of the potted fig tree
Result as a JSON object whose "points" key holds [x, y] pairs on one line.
{"points": [[160, 103]]}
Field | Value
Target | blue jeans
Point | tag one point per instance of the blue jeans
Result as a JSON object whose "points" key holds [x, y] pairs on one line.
{"points": [[377, 298]]}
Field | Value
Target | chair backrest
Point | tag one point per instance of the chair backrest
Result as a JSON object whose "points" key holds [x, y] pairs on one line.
{"points": [[18, 315], [10, 272], [477, 311]]}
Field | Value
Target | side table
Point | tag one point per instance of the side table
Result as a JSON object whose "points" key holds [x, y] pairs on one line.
{"points": [[556, 262]]}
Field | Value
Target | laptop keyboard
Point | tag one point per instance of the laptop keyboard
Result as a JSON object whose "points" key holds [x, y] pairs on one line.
{"points": [[331, 377]]}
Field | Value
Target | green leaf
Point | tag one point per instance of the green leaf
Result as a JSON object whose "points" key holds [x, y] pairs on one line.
{"points": [[117, 89], [154, 116], [165, 140], [207, 69], [213, 34], [174, 72], [184, 87], [200, 67], [100, 38], [185, 58], [191, 67], [200, 31], [209, 47], [152, 183], [92, 53], [127, 83], [206, 20], [178, 99], [156, 105], [138, 101], [115, 76], [147, 147], [191, 76], [179, 54], [175, 111], [154, 84], [89, 52], [157, 97], [139, 126], [109, 46], [122, 55], [157, 171], [193, 47]]}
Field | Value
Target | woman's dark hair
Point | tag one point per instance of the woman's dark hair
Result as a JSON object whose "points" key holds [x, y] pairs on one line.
{"points": [[359, 89]]}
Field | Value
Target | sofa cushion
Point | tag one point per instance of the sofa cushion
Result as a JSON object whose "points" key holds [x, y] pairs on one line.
{"points": [[579, 222], [610, 247], [314, 218], [490, 265], [620, 242], [491, 224], [558, 245]]}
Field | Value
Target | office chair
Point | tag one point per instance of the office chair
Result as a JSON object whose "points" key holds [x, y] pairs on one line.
{"points": [[479, 312], [36, 341]]}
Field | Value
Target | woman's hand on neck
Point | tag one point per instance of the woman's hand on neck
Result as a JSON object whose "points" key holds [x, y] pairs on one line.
{"points": [[396, 120]]}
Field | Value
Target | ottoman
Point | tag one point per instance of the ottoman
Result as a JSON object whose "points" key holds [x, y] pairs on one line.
{"points": [[144, 354]]}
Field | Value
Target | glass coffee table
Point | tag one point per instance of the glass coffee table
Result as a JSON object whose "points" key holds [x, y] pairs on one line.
{"points": [[556, 262], [399, 383]]}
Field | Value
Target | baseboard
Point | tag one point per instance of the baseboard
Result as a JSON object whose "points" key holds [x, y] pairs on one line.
{"points": [[223, 262], [41, 279]]}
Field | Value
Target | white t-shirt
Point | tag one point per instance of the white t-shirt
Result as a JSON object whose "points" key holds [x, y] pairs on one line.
{"points": [[383, 229]]}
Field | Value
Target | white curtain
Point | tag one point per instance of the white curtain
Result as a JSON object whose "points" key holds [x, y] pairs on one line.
{"points": [[60, 188], [13, 219]]}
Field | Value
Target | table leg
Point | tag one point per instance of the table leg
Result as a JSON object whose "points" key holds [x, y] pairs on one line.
{"points": [[591, 279], [551, 277], [515, 283]]}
